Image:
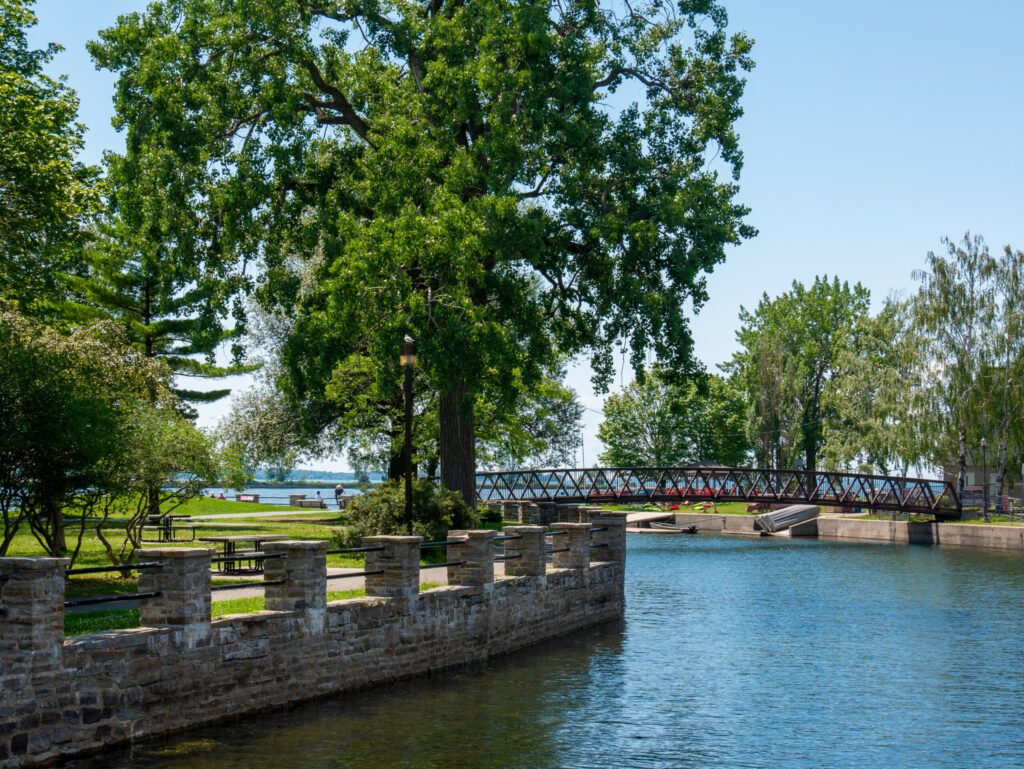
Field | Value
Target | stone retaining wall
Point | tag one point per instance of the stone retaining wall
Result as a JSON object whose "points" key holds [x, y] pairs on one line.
{"points": [[717, 522], [906, 532], [66, 697]]}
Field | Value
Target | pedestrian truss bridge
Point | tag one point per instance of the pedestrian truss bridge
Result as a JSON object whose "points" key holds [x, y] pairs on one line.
{"points": [[596, 485]]}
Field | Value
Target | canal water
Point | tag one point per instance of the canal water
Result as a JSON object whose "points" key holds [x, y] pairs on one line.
{"points": [[734, 652]]}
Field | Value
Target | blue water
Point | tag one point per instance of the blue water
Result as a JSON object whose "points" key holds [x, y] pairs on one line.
{"points": [[277, 495], [734, 653]]}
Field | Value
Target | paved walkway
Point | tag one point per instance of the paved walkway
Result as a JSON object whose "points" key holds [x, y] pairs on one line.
{"points": [[337, 582]]}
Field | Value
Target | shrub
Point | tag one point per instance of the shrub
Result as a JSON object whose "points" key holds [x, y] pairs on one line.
{"points": [[382, 511]]}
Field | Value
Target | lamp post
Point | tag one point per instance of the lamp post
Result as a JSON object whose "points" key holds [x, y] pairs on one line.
{"points": [[408, 360], [984, 479]]}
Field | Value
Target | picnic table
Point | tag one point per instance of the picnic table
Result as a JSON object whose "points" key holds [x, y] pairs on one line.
{"points": [[231, 548], [166, 525]]}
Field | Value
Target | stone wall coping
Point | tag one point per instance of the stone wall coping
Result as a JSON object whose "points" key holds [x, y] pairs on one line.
{"points": [[123, 638], [359, 600], [571, 526], [524, 527], [478, 533], [26, 563], [256, 616]]}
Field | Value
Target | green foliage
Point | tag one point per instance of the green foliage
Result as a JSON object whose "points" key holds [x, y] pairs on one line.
{"points": [[382, 511], [660, 423], [87, 424], [876, 402], [45, 194], [446, 170], [967, 312], [791, 347]]}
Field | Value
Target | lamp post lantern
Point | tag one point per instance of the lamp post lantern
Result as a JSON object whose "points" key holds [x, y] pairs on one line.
{"points": [[984, 479], [408, 360]]}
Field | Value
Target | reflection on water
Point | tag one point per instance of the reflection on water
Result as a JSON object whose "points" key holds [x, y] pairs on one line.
{"points": [[734, 652]]}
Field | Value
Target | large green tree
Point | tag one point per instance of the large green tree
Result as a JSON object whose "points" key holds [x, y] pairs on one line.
{"points": [[876, 401], [87, 423], [967, 310], [790, 348], [656, 422], [46, 195], [449, 170]]}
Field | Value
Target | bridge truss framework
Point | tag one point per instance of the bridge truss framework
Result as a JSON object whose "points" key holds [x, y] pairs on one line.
{"points": [[597, 485]]}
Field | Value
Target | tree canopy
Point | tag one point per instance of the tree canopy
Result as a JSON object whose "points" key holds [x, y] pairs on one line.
{"points": [[450, 171], [656, 422], [790, 349], [46, 195]]}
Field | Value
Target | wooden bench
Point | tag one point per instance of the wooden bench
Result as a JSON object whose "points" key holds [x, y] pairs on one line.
{"points": [[319, 504]]}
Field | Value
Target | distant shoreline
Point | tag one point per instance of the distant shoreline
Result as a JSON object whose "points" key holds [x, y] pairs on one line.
{"points": [[307, 484]]}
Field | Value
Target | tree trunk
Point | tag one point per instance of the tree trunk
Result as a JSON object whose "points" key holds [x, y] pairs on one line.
{"points": [[396, 465], [55, 518], [153, 507], [457, 444]]}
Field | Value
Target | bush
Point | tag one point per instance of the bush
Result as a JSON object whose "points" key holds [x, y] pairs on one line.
{"points": [[490, 516], [382, 511]]}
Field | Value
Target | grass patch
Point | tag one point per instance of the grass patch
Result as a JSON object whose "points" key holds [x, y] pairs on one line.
{"points": [[100, 621], [722, 508]]}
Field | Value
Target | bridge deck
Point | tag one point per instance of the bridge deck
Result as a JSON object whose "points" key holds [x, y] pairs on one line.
{"points": [[721, 484]]}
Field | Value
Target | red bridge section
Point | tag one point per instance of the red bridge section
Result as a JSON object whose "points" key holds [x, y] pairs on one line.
{"points": [[597, 485]]}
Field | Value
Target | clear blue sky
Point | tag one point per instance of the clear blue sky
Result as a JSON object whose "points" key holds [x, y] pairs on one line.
{"points": [[871, 130]]}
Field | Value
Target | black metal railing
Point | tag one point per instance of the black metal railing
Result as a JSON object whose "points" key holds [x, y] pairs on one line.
{"points": [[345, 550], [355, 574], [89, 600], [141, 566]]}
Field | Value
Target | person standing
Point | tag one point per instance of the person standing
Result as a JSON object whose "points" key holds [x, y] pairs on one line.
{"points": [[339, 492]]}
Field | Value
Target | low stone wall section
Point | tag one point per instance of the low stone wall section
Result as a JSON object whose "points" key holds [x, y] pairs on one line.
{"points": [[736, 524], [907, 532], [67, 697]]}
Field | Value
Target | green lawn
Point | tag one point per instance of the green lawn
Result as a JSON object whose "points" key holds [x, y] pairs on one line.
{"points": [[93, 553], [118, 619]]}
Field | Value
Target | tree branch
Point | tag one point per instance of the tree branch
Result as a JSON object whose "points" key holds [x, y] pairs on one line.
{"points": [[339, 103]]}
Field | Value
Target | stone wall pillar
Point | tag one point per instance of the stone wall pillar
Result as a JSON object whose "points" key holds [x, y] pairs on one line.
{"points": [[304, 571], [183, 581], [524, 557], [31, 620], [612, 539], [475, 549], [547, 512], [577, 542], [510, 511], [399, 567]]}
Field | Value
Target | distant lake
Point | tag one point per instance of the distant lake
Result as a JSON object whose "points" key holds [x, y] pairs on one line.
{"points": [[278, 495]]}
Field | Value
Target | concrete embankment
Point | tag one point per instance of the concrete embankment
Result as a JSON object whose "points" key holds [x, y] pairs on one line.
{"points": [[1009, 538], [727, 524], [907, 532]]}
